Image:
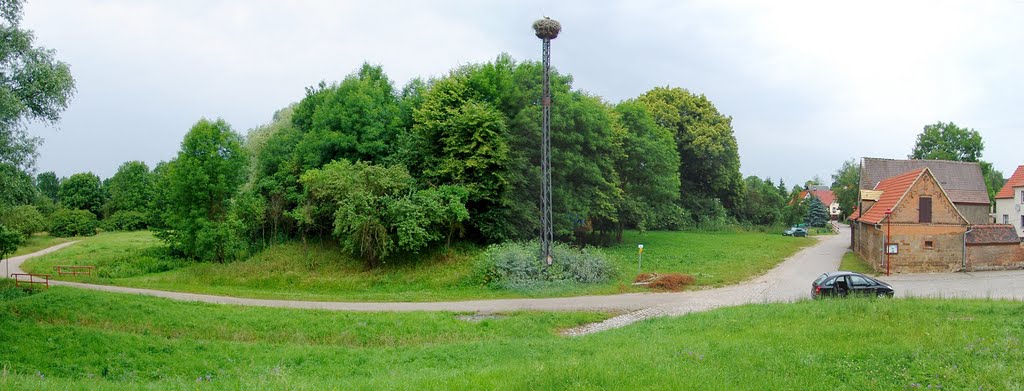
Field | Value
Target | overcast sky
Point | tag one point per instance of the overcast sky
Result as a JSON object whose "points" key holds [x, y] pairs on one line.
{"points": [[809, 84]]}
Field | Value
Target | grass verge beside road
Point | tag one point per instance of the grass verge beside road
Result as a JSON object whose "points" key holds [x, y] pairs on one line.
{"points": [[322, 271], [853, 262], [67, 338]]}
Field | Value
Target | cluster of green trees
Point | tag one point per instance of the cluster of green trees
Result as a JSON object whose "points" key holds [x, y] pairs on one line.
{"points": [[76, 205], [384, 170]]}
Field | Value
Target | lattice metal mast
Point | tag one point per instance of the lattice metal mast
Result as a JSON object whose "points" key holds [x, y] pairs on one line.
{"points": [[546, 29]]}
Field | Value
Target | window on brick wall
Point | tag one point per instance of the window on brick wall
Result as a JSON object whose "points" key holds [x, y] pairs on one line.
{"points": [[924, 207], [929, 244]]}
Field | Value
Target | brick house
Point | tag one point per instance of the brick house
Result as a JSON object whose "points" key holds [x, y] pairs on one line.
{"points": [[924, 223], [929, 228], [1010, 202]]}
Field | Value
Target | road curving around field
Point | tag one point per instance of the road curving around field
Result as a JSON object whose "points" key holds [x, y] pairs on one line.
{"points": [[789, 281]]}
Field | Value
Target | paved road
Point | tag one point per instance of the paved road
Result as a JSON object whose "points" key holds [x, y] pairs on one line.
{"points": [[789, 281], [976, 285]]}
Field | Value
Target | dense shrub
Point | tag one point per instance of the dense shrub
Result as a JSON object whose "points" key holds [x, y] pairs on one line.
{"points": [[25, 219], [125, 220], [515, 265], [73, 222], [150, 260], [10, 292]]}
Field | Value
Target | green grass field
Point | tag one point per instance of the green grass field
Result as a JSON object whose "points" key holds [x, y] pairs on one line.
{"points": [[321, 271], [67, 338], [855, 263], [38, 242]]}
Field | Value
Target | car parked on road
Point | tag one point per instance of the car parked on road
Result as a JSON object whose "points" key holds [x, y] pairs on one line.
{"points": [[842, 284], [795, 231]]}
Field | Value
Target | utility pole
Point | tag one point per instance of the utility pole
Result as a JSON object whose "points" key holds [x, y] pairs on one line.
{"points": [[546, 29]]}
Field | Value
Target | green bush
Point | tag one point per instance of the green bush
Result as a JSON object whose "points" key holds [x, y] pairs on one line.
{"points": [[10, 292], [125, 220], [73, 222], [137, 263], [515, 265], [25, 219]]}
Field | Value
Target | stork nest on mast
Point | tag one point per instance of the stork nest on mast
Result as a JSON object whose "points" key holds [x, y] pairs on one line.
{"points": [[547, 28]]}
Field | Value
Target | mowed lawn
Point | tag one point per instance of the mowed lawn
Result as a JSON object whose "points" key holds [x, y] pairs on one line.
{"points": [[715, 258], [67, 338], [321, 271]]}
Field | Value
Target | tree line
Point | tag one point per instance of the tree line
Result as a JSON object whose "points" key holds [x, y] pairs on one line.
{"points": [[385, 170]]}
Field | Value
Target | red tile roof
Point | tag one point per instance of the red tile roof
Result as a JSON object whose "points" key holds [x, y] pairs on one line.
{"points": [[993, 234], [1016, 180], [826, 196], [855, 214], [892, 191], [962, 181]]}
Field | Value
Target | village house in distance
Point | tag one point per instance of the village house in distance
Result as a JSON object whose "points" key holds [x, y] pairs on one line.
{"points": [[825, 195], [930, 216], [1010, 202]]}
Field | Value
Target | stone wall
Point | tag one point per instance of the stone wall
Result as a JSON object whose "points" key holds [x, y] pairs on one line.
{"points": [[868, 244], [927, 248], [995, 257], [977, 214]]}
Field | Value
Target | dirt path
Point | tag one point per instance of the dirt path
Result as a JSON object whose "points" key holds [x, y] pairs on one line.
{"points": [[788, 281]]}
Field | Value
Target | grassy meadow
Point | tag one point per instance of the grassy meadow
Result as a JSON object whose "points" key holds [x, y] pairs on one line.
{"points": [[321, 271], [38, 242], [66, 338]]}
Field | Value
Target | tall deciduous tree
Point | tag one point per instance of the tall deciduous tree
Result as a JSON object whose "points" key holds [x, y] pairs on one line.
{"points": [[15, 186], [709, 156], [200, 182], [994, 179], [762, 204], [846, 186], [130, 189], [356, 119], [947, 141], [34, 86], [458, 139], [48, 185], [82, 191], [649, 171]]}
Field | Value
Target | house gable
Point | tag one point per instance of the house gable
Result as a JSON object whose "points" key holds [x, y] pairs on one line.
{"points": [[902, 194], [1016, 181], [943, 211]]}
